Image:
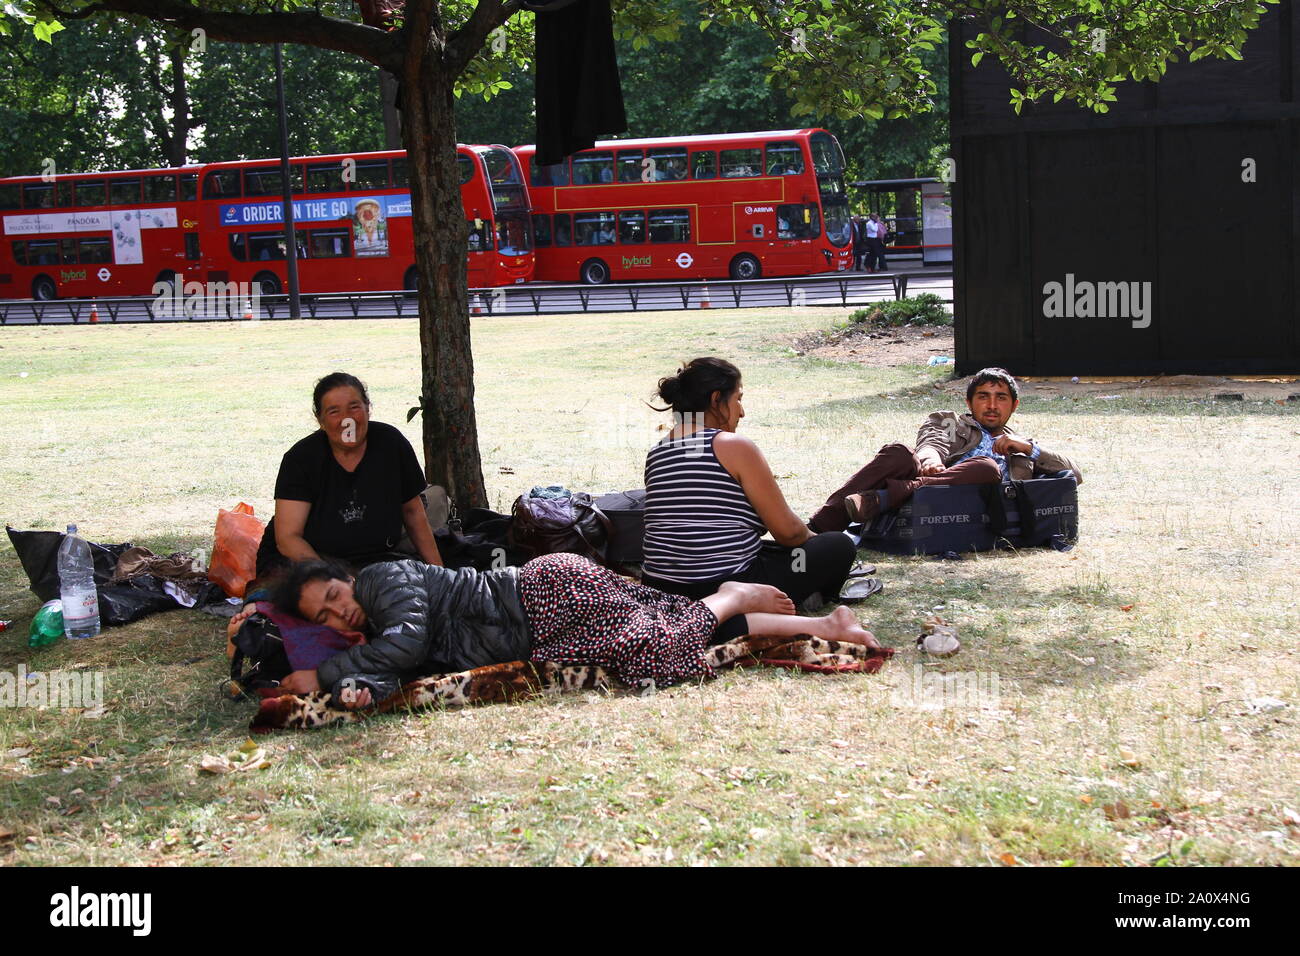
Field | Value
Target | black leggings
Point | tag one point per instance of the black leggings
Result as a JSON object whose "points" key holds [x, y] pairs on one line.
{"points": [[822, 567]]}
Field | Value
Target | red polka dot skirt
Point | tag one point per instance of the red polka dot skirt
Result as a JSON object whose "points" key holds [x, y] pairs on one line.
{"points": [[582, 613]]}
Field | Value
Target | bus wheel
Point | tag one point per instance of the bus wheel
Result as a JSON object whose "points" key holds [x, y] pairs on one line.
{"points": [[411, 282], [43, 288], [166, 278], [594, 272], [269, 282], [745, 266]]}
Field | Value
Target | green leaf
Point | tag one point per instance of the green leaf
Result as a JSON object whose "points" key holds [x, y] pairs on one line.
{"points": [[44, 29]]}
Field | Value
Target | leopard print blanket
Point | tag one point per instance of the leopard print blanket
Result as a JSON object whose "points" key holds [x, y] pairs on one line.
{"points": [[499, 683]]}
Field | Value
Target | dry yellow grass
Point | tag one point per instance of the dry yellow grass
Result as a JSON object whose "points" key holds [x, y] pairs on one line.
{"points": [[1118, 736]]}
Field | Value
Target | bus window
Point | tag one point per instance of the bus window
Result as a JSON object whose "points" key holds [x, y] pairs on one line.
{"points": [[629, 165], [63, 197], [124, 192], [20, 252], [69, 251], [10, 196], [631, 228], [670, 164], [798, 221], [541, 230], [741, 162], [43, 252], [328, 243], [221, 184], [594, 228], [557, 175], [38, 195], [94, 251], [670, 225], [371, 174], [563, 232], [512, 235], [399, 172], [704, 165], [189, 187], [826, 154], [192, 246], [465, 167], [238, 246], [325, 178], [267, 181], [502, 167], [265, 245], [160, 189], [480, 236], [784, 159], [593, 167]]}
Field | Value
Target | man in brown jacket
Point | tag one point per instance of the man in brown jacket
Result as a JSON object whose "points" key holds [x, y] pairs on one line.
{"points": [[972, 449]]}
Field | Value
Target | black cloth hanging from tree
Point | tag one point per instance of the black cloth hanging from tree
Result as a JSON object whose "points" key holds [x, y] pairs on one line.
{"points": [[579, 95]]}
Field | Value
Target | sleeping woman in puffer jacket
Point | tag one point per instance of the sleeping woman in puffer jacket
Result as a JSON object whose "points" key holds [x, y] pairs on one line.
{"points": [[423, 619]]}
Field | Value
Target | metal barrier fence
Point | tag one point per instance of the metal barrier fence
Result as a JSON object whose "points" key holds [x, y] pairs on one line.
{"points": [[836, 290]]}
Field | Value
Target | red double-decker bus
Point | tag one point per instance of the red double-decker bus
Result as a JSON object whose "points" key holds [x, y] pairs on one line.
{"points": [[743, 205], [352, 216], [98, 234]]}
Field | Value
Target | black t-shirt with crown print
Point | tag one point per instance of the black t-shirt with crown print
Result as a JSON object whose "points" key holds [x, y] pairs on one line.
{"points": [[354, 515]]}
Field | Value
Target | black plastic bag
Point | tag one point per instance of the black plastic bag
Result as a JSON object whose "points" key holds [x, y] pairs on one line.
{"points": [[118, 603]]}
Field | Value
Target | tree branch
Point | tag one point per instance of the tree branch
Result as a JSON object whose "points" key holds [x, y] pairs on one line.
{"points": [[308, 29], [464, 44]]}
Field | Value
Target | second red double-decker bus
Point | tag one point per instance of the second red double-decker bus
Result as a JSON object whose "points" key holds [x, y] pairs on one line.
{"points": [[352, 215], [743, 205]]}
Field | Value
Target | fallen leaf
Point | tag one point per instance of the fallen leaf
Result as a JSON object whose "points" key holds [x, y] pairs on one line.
{"points": [[1129, 759], [1290, 817], [18, 752], [1009, 859], [1116, 811], [6, 834], [213, 764], [1085, 798], [1126, 607]]}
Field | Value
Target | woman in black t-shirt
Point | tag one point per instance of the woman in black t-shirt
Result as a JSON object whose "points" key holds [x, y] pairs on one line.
{"points": [[347, 490]]}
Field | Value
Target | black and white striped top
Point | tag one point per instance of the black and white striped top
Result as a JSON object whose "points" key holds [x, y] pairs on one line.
{"points": [[698, 523]]}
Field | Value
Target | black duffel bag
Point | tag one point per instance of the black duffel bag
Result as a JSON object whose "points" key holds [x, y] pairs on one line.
{"points": [[626, 513]]}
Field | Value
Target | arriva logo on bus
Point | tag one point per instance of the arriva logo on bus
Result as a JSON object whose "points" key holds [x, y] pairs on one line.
{"points": [[207, 300]]}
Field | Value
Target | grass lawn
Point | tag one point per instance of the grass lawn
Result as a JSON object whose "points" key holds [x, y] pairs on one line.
{"points": [[1129, 725]]}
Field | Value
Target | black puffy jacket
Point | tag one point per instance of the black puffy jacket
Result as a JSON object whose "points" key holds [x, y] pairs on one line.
{"points": [[423, 619]]}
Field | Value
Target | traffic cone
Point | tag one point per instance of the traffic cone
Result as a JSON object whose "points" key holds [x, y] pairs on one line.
{"points": [[476, 307], [248, 309], [94, 312], [704, 297]]}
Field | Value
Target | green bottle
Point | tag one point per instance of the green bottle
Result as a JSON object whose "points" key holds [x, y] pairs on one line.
{"points": [[47, 625]]}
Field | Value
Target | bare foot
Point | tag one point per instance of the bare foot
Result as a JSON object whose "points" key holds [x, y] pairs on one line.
{"points": [[757, 598], [842, 625]]}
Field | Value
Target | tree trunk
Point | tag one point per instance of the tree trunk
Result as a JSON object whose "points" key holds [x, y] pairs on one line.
{"points": [[388, 101], [451, 455], [180, 104]]}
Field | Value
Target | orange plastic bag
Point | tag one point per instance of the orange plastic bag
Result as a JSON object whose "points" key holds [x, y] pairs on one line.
{"points": [[234, 550]]}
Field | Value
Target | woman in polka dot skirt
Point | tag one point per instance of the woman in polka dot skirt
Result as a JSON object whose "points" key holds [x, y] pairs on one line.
{"points": [[423, 619]]}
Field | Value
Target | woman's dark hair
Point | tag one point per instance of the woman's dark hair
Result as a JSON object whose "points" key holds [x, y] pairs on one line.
{"points": [[692, 388], [332, 381], [986, 375], [287, 590]]}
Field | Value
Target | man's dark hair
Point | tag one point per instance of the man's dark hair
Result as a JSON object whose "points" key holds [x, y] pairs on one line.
{"points": [[287, 590], [332, 381], [986, 375]]}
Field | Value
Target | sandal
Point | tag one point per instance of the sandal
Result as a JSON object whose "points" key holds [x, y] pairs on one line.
{"points": [[854, 592]]}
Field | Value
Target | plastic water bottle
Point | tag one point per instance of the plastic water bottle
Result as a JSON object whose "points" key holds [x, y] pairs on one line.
{"points": [[77, 587]]}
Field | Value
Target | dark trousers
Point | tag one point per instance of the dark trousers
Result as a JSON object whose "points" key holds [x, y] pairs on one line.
{"points": [[894, 469], [876, 255], [822, 566]]}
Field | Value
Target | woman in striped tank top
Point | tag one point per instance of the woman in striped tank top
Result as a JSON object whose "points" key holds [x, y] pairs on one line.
{"points": [[710, 496]]}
